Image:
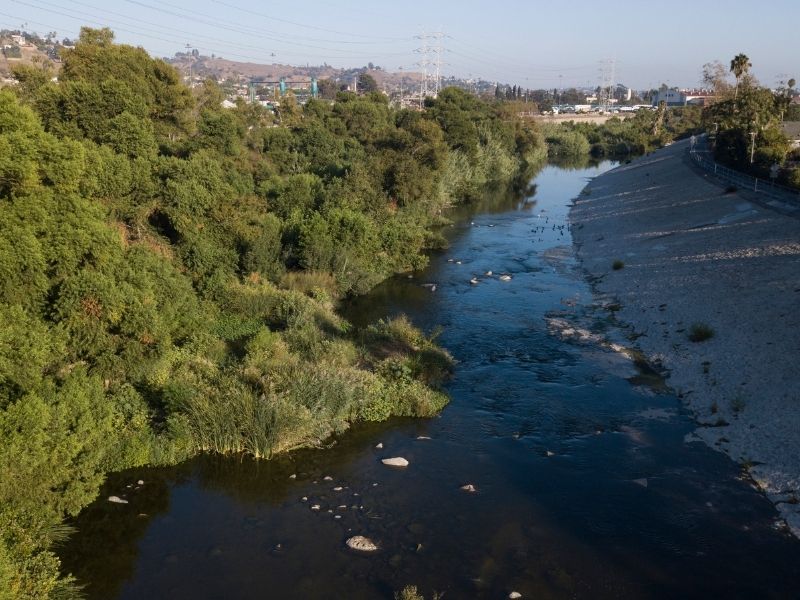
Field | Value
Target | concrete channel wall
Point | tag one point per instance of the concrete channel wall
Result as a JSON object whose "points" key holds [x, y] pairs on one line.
{"points": [[693, 253]]}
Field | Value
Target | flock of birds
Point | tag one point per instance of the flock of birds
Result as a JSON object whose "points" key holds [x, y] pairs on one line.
{"points": [[560, 229], [539, 229]]}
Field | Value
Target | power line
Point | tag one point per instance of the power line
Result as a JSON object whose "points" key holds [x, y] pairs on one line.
{"points": [[235, 29], [295, 23], [249, 31], [142, 33]]}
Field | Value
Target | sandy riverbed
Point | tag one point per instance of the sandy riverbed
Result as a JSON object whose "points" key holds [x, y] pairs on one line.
{"points": [[694, 254]]}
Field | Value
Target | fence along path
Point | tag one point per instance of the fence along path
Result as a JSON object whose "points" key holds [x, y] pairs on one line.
{"points": [[700, 154]]}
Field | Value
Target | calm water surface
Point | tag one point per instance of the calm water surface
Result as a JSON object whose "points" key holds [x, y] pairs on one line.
{"points": [[586, 488]]}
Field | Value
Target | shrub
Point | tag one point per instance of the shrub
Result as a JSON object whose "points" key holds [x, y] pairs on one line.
{"points": [[700, 332], [617, 265]]}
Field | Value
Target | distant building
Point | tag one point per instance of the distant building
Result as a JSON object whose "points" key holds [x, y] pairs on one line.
{"points": [[683, 97], [670, 98], [791, 129], [623, 93], [698, 97]]}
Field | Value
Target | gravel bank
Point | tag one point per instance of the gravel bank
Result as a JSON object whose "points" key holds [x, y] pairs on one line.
{"points": [[694, 254]]}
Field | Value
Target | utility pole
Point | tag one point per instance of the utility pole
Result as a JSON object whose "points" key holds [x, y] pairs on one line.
{"points": [[191, 60], [437, 50], [423, 86], [607, 76], [752, 146]]}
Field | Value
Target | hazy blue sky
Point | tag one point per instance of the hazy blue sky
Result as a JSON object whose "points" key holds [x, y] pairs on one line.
{"points": [[534, 43]]}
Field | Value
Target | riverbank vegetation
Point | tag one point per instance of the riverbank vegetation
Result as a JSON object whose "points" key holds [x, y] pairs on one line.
{"points": [[169, 271], [618, 138], [746, 122]]}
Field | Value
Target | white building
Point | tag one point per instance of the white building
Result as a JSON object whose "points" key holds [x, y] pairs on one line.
{"points": [[670, 98]]}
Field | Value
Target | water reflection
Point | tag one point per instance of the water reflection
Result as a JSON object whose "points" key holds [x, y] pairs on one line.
{"points": [[585, 488]]}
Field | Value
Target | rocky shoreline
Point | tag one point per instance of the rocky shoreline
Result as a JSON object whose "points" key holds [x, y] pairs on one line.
{"points": [[676, 249]]}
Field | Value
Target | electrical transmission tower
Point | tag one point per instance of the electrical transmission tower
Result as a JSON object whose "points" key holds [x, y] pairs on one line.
{"points": [[431, 57], [607, 83]]}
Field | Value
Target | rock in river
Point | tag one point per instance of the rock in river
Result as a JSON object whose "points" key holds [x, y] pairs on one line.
{"points": [[397, 461], [361, 543], [117, 500]]}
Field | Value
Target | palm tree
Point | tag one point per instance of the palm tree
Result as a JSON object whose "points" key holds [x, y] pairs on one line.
{"points": [[740, 65]]}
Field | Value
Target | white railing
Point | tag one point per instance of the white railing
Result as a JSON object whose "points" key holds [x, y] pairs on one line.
{"points": [[742, 180]]}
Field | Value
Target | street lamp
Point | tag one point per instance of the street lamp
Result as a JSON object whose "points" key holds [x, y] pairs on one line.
{"points": [[752, 146]]}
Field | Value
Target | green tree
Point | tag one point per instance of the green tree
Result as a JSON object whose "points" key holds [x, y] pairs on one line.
{"points": [[740, 65], [327, 89], [367, 83]]}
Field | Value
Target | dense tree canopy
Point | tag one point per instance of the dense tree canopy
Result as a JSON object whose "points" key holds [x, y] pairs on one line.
{"points": [[168, 270], [748, 123]]}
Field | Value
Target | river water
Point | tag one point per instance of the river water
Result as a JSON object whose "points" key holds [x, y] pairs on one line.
{"points": [[585, 485]]}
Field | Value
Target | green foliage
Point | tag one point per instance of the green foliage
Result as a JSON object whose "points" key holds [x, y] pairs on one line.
{"points": [[749, 124], [168, 271], [562, 142], [622, 137]]}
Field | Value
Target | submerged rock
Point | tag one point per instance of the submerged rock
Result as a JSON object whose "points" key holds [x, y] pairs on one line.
{"points": [[117, 500], [361, 543], [379, 445], [642, 482], [469, 488], [515, 595], [397, 461]]}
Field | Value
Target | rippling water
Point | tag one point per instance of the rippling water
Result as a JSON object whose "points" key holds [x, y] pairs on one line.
{"points": [[586, 488]]}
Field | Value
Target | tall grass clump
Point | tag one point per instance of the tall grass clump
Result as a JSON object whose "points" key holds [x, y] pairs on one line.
{"points": [[311, 379], [700, 332]]}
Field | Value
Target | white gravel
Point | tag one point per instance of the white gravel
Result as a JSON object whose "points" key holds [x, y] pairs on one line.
{"points": [[693, 254]]}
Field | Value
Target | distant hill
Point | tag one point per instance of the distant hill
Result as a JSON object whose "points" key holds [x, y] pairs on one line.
{"points": [[224, 69], [18, 48]]}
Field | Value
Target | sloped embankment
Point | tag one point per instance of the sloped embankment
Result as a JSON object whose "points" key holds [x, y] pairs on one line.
{"points": [[688, 253]]}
